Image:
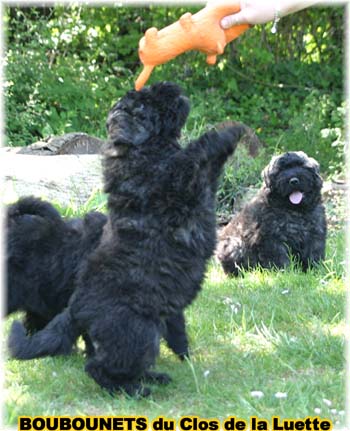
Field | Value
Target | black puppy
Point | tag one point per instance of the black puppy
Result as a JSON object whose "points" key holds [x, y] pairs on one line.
{"points": [[159, 236], [42, 258], [44, 253], [285, 219]]}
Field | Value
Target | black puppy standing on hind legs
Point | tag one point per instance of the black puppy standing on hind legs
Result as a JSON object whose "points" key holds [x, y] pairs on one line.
{"points": [[160, 233]]}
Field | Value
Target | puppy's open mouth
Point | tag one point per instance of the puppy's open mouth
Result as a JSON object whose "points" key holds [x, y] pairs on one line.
{"points": [[296, 197]]}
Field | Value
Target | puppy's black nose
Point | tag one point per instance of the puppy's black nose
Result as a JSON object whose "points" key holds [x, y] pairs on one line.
{"points": [[294, 181]]}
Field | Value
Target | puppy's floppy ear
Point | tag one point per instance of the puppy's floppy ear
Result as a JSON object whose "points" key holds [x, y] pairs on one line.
{"points": [[269, 171], [172, 105], [313, 164], [182, 109], [165, 92], [175, 116]]}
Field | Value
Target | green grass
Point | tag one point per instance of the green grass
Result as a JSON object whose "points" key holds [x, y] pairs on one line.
{"points": [[267, 331]]}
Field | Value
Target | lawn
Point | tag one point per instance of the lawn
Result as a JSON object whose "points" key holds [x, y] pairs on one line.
{"points": [[264, 344]]}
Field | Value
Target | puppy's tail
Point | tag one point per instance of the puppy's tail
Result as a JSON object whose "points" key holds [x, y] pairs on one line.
{"points": [[57, 338]]}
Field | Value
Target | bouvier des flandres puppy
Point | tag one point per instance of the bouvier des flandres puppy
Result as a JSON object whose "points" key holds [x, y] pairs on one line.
{"points": [[159, 235], [285, 219], [43, 254]]}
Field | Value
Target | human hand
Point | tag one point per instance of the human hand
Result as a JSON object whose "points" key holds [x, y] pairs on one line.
{"points": [[259, 12], [252, 12]]}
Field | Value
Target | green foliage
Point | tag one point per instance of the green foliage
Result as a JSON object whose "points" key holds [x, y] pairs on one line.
{"points": [[66, 66], [241, 172], [321, 131], [96, 202]]}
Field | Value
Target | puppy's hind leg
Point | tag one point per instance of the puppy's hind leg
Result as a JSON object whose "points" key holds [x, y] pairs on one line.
{"points": [[116, 381], [125, 347], [33, 322]]}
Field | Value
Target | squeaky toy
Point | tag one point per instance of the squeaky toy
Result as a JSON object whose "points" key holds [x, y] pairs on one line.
{"points": [[201, 32]]}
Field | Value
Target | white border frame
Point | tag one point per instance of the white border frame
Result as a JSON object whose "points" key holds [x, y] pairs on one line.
{"points": [[200, 2]]}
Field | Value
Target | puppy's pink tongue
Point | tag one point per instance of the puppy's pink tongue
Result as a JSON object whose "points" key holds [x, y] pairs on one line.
{"points": [[296, 198]]}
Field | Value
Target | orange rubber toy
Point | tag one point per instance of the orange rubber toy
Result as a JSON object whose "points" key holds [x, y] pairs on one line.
{"points": [[201, 31]]}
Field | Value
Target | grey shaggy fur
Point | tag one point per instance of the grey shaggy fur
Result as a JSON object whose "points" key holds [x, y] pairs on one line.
{"points": [[158, 238], [285, 219]]}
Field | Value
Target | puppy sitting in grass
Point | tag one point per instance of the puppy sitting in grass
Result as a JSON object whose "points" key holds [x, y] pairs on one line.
{"points": [[286, 218]]}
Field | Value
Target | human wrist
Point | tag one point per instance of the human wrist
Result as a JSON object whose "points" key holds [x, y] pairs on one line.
{"points": [[287, 7], [277, 15]]}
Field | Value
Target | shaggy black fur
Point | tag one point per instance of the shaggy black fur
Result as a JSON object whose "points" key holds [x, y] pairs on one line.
{"points": [[159, 235], [285, 219], [44, 253], [43, 256]]}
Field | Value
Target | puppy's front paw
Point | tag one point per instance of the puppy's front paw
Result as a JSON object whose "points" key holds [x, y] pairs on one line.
{"points": [[230, 136], [153, 377]]}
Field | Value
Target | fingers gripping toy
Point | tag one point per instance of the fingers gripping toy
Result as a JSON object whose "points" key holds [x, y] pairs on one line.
{"points": [[201, 31]]}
